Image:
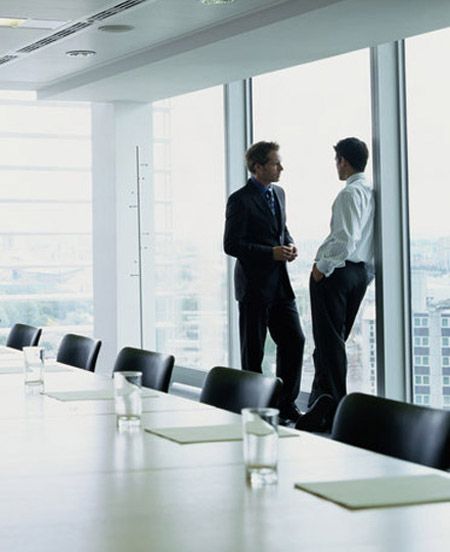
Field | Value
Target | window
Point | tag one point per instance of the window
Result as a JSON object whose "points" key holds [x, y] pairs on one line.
{"points": [[421, 321], [189, 208], [421, 360], [422, 399], [428, 89], [421, 341], [45, 218], [296, 107]]}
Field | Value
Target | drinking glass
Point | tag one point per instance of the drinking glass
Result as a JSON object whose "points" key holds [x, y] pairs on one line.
{"points": [[260, 434], [33, 365], [127, 396]]}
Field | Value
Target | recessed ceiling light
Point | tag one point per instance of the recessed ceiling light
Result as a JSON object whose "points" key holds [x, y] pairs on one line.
{"points": [[11, 22], [116, 28], [80, 53], [216, 2]]}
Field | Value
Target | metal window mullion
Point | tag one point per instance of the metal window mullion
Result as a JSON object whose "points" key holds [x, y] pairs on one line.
{"points": [[405, 224], [238, 131], [391, 233]]}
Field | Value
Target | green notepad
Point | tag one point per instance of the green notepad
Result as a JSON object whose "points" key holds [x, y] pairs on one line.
{"points": [[380, 492], [207, 434], [92, 394]]}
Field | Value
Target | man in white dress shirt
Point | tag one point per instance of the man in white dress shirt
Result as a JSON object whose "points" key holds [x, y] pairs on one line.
{"points": [[342, 270]]}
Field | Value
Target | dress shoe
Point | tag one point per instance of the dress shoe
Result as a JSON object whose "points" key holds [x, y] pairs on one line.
{"points": [[290, 413], [319, 417]]}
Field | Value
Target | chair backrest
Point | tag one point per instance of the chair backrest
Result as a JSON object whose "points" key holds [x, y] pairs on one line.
{"points": [[79, 351], [156, 368], [22, 335], [232, 389], [398, 429]]}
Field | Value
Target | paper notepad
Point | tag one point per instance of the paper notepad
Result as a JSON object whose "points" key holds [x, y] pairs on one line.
{"points": [[207, 434], [381, 492], [56, 368], [20, 369], [8, 351], [12, 357], [92, 395]]}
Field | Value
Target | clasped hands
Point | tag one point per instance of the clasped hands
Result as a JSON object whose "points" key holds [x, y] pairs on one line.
{"points": [[285, 252]]}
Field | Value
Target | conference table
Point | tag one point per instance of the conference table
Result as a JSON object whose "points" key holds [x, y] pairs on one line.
{"points": [[70, 480]]}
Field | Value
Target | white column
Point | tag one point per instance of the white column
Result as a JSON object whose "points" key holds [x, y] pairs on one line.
{"points": [[121, 231]]}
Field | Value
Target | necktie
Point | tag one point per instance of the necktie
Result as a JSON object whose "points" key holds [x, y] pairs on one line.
{"points": [[268, 194]]}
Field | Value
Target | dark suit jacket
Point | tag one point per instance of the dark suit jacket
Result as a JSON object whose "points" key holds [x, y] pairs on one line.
{"points": [[251, 231]]}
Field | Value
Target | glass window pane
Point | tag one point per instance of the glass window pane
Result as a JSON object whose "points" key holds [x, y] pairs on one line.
{"points": [[25, 185], [45, 219], [41, 119], [189, 204], [307, 109], [56, 218], [45, 152], [428, 90]]}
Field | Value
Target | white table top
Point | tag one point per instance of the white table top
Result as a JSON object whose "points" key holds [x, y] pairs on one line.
{"points": [[71, 481]]}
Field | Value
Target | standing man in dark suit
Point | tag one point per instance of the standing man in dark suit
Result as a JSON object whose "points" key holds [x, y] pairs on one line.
{"points": [[257, 235], [342, 270]]}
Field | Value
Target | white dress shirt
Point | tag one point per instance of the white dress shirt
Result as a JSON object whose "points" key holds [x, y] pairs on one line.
{"points": [[351, 228]]}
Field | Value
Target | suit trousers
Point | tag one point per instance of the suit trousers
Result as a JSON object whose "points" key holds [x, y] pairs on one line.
{"points": [[334, 304], [281, 319]]}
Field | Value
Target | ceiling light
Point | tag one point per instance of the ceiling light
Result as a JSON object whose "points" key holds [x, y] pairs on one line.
{"points": [[216, 2], [43, 24], [80, 53], [12, 22], [116, 28]]}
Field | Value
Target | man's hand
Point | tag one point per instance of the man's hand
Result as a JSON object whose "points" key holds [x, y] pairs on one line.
{"points": [[284, 252], [294, 252], [316, 274]]}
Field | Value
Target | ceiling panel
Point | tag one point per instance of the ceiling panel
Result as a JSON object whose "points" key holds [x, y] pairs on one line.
{"points": [[240, 52], [155, 22], [60, 10], [182, 45]]}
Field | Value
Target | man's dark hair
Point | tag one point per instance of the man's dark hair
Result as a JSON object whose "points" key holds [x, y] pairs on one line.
{"points": [[259, 154], [354, 151]]}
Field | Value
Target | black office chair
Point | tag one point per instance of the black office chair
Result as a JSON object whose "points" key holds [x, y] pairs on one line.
{"points": [[79, 351], [22, 335], [233, 390], [156, 368], [394, 428]]}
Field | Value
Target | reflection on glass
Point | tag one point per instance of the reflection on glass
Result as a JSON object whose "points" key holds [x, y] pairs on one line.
{"points": [[428, 90], [307, 109], [189, 204]]}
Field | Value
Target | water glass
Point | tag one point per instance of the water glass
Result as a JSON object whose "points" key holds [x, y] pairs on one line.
{"points": [[34, 365], [127, 396], [260, 434]]}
